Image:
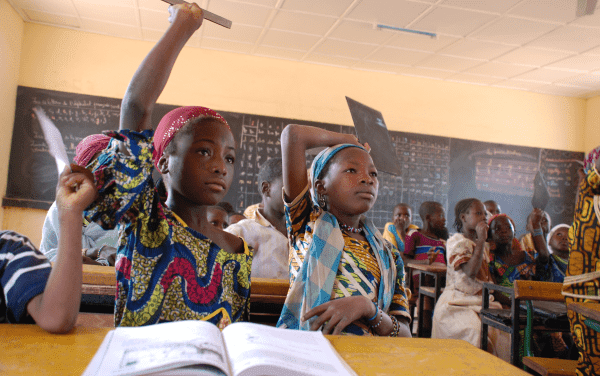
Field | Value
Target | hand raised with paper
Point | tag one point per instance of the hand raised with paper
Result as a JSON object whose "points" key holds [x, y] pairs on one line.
{"points": [[189, 13]]}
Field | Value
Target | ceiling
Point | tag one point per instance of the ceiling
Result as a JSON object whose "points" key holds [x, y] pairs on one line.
{"points": [[533, 45]]}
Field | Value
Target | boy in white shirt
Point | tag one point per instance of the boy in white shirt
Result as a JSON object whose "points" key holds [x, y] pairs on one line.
{"points": [[266, 233]]}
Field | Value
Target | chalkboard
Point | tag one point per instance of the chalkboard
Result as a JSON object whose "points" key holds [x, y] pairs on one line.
{"points": [[432, 168]]}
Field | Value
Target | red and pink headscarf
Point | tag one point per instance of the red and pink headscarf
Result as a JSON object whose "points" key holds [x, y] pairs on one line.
{"points": [[88, 147], [173, 121], [590, 159], [516, 244]]}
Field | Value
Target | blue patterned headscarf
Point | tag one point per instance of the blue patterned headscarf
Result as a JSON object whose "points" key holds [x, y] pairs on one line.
{"points": [[315, 280]]}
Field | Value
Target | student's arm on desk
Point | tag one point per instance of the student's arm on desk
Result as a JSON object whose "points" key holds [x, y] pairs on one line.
{"points": [[55, 310]]}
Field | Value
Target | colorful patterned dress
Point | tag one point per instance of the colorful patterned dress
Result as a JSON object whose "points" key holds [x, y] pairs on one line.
{"points": [[165, 270], [529, 269], [582, 279], [390, 233], [358, 272]]}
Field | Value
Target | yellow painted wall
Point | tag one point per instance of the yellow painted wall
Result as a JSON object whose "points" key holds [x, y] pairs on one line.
{"points": [[592, 124], [68, 60]]}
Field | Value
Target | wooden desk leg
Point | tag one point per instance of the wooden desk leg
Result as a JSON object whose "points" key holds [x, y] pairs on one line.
{"points": [[420, 313], [484, 326]]}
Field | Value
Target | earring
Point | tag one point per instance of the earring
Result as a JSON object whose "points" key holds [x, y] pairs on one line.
{"points": [[322, 202]]}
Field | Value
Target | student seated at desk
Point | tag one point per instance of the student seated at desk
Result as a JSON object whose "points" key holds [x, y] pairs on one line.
{"points": [[344, 277], [456, 312], [493, 207], [30, 288], [428, 245], [266, 233], [395, 232], [558, 245], [535, 238], [99, 245], [172, 264]]}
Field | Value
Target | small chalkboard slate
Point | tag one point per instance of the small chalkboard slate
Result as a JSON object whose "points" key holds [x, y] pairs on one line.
{"points": [[371, 129]]}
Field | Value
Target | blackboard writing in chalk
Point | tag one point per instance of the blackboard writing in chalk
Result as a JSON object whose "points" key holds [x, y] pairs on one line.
{"points": [[433, 168], [371, 129]]}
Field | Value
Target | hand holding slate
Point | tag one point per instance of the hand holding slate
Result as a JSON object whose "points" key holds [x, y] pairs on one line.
{"points": [[540, 192]]}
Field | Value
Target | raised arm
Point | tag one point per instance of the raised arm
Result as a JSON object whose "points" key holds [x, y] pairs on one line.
{"points": [[152, 75], [56, 309], [295, 141], [539, 240], [471, 267]]}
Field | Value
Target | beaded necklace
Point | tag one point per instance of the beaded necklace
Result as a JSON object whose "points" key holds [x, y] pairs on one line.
{"points": [[351, 229]]}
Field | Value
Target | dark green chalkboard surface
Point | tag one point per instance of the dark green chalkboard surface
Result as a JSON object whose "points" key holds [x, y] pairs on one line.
{"points": [[434, 168]]}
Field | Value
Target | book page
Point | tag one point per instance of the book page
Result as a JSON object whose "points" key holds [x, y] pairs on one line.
{"points": [[256, 349], [161, 347]]}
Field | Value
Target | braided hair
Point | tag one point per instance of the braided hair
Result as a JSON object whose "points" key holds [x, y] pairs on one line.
{"points": [[462, 207]]}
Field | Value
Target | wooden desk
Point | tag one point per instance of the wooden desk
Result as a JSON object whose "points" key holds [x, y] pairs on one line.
{"points": [[99, 288], [28, 350], [589, 310], [437, 272]]}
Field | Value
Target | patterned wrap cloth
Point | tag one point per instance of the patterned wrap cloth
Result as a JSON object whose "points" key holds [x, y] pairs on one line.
{"points": [[166, 271], [582, 279], [88, 147], [326, 264]]}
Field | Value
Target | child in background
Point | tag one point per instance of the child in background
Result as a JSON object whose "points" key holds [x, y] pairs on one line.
{"points": [[30, 288], [98, 245], [508, 261], [395, 232], [456, 312], [217, 216], [492, 206], [235, 218], [344, 277], [266, 233], [428, 244], [172, 263], [535, 239], [558, 244]]}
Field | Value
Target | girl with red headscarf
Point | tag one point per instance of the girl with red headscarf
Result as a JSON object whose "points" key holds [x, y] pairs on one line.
{"points": [[172, 264]]}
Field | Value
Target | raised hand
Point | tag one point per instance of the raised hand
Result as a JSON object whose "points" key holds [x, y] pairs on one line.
{"points": [[76, 189], [337, 314], [482, 231], [432, 255], [187, 13]]}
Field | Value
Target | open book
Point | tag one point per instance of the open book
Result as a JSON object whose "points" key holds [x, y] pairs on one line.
{"points": [[200, 348]]}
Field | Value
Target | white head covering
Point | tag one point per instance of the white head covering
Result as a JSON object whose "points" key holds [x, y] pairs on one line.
{"points": [[551, 234]]}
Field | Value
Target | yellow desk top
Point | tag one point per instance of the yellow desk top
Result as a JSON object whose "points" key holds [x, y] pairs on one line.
{"points": [[434, 268], [28, 350]]}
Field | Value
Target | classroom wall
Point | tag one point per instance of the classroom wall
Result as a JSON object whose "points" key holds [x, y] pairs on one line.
{"points": [[592, 124], [68, 60], [11, 38]]}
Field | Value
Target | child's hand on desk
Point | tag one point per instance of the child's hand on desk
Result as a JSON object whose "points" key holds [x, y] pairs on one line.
{"points": [[337, 314], [432, 255], [76, 190]]}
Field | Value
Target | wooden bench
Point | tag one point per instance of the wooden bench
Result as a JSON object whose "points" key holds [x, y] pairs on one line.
{"points": [[550, 366]]}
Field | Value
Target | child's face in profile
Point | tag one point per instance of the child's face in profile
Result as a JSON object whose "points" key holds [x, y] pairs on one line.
{"points": [[473, 216], [201, 168], [351, 184], [502, 231], [560, 240], [492, 207], [402, 217], [275, 199], [217, 217]]}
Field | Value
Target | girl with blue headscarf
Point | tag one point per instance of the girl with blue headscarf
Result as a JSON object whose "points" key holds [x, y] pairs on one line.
{"points": [[344, 277]]}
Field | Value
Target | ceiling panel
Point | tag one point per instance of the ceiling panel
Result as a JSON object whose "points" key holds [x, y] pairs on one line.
{"points": [[476, 49], [452, 21], [302, 22], [497, 69], [325, 7], [533, 56], [397, 13], [295, 41], [536, 45], [345, 49], [398, 56], [487, 6], [448, 62], [553, 10], [514, 30]]}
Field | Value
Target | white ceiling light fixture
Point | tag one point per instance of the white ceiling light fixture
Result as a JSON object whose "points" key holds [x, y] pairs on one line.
{"points": [[431, 35]]}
